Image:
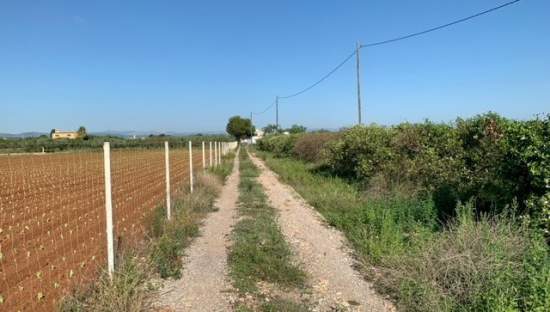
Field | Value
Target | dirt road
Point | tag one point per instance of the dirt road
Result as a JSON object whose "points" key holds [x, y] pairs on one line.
{"points": [[204, 285], [322, 250]]}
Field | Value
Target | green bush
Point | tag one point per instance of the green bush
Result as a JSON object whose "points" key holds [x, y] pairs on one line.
{"points": [[280, 145], [310, 146], [361, 152], [500, 163]]}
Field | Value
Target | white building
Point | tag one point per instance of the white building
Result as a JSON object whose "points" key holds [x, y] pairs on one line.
{"points": [[257, 135]]}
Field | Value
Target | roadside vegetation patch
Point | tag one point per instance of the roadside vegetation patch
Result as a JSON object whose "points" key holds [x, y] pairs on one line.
{"points": [[259, 252], [473, 263]]}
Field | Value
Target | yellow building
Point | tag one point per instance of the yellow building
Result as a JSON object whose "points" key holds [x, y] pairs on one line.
{"points": [[60, 134]]}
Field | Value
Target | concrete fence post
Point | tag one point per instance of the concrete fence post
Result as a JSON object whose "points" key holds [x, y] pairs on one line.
{"points": [[210, 152], [215, 154], [167, 173], [203, 157], [191, 167], [109, 209]]}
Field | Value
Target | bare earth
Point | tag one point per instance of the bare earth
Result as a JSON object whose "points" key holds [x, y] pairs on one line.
{"points": [[204, 285], [322, 250]]}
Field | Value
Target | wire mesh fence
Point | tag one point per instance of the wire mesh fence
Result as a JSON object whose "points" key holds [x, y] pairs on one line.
{"points": [[53, 215]]}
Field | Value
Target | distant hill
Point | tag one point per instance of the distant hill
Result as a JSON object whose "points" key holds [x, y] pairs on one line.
{"points": [[22, 135], [124, 134], [147, 133]]}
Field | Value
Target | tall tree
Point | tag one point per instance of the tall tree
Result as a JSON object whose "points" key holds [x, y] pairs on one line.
{"points": [[297, 129], [240, 127], [82, 133], [272, 129]]}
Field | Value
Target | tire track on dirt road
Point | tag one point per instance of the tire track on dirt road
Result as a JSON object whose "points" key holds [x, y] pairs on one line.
{"points": [[322, 250], [204, 284]]}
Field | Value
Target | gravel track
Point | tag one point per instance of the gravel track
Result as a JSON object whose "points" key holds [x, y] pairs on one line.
{"points": [[204, 285], [323, 251]]}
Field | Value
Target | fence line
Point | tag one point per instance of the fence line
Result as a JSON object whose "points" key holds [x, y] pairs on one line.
{"points": [[63, 216]]}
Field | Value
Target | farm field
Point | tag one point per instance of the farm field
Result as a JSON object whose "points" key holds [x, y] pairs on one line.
{"points": [[52, 216]]}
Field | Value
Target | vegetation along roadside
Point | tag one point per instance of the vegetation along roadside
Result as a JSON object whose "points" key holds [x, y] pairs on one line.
{"points": [[431, 208]]}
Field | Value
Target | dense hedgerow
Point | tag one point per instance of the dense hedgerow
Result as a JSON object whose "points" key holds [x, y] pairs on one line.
{"points": [[280, 145], [311, 147], [472, 263], [501, 164]]}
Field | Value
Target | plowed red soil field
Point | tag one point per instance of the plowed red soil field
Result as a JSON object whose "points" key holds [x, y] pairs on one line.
{"points": [[52, 216]]}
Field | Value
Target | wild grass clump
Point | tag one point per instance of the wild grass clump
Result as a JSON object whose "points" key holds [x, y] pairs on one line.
{"points": [[127, 291], [488, 264], [224, 169]]}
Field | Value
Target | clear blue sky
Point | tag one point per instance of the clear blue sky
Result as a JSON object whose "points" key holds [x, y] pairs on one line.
{"points": [[188, 65]]}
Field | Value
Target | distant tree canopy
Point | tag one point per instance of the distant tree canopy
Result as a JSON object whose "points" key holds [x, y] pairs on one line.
{"points": [[82, 133], [35, 144], [240, 127], [296, 129], [272, 129]]}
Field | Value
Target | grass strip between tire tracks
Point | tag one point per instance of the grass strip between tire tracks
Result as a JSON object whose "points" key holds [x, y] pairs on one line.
{"points": [[260, 252]]}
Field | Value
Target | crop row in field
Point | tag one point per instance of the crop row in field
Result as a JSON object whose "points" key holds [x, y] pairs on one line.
{"points": [[52, 216]]}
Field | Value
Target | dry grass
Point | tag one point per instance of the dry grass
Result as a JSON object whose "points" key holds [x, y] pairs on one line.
{"points": [[127, 291]]}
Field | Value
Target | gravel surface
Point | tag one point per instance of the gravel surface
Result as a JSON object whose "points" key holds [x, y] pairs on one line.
{"points": [[323, 251], [205, 285]]}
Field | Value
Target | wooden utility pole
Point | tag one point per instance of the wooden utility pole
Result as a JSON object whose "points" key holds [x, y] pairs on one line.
{"points": [[251, 128], [358, 68]]}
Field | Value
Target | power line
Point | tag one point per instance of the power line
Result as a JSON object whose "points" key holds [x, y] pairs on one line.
{"points": [[322, 78], [266, 109], [438, 27], [394, 40], [342, 63]]}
